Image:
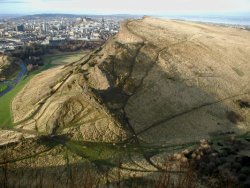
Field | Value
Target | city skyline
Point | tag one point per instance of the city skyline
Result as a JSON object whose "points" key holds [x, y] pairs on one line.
{"points": [[123, 7]]}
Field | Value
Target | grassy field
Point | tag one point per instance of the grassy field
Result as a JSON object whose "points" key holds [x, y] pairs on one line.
{"points": [[5, 103], [6, 100], [63, 59]]}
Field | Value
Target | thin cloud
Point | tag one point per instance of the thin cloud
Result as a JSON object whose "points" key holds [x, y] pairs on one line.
{"points": [[11, 2], [124, 6]]}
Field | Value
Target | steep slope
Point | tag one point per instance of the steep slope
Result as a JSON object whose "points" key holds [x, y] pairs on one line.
{"points": [[157, 81], [176, 81], [58, 102]]}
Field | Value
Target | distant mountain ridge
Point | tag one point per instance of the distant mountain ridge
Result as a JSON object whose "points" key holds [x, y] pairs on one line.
{"points": [[54, 15]]}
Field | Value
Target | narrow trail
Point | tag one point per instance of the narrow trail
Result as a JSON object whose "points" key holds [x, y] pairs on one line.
{"points": [[189, 111], [44, 100], [134, 137]]}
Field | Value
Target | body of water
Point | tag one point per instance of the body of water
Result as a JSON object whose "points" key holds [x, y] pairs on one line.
{"points": [[243, 20], [13, 83]]}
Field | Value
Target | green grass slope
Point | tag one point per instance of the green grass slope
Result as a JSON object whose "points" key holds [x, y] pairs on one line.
{"points": [[6, 100]]}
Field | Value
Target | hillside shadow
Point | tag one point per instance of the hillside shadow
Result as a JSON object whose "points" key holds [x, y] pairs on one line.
{"points": [[165, 108]]}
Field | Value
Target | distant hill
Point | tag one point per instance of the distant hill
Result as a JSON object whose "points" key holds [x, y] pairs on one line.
{"points": [[9, 16], [118, 16]]}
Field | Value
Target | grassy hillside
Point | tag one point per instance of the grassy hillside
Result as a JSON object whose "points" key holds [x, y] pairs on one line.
{"points": [[63, 59], [49, 62], [5, 101]]}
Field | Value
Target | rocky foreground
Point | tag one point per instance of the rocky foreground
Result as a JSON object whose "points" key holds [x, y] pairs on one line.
{"points": [[157, 83]]}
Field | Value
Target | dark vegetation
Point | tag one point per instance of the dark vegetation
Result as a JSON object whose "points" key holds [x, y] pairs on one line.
{"points": [[10, 70], [31, 54], [234, 117], [244, 104], [72, 46], [226, 163], [29, 50]]}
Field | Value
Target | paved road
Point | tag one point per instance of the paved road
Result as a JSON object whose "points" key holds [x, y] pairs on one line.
{"points": [[13, 83]]}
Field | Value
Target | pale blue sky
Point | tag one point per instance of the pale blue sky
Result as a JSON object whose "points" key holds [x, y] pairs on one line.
{"points": [[122, 6]]}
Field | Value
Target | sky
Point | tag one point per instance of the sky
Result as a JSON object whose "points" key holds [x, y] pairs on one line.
{"points": [[150, 7]]}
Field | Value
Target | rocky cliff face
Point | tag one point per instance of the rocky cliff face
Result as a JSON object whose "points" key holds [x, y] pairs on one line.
{"points": [[157, 82]]}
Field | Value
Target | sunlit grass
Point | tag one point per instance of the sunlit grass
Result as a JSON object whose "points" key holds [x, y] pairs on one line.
{"points": [[5, 103], [64, 59], [6, 100]]}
